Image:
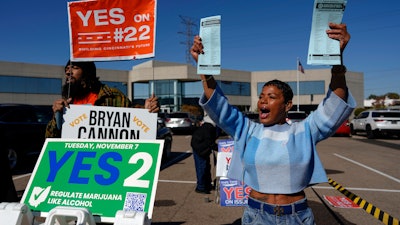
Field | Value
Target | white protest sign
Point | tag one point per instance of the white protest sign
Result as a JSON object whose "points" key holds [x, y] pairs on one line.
{"points": [[225, 149], [103, 122], [209, 63], [323, 50]]}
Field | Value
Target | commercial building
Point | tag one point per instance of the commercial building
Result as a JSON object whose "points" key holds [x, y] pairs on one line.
{"points": [[175, 84]]}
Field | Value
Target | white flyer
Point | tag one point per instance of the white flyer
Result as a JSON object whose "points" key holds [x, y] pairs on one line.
{"points": [[209, 63], [323, 50], [105, 122]]}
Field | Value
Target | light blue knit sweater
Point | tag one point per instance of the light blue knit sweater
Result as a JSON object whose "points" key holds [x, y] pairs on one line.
{"points": [[280, 159]]}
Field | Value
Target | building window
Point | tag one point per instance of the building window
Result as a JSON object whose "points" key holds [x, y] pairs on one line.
{"points": [[172, 94], [140, 92], [168, 93], [30, 85], [305, 87], [193, 89], [235, 88], [308, 87]]}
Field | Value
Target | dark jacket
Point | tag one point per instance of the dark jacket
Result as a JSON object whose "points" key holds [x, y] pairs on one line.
{"points": [[203, 140]]}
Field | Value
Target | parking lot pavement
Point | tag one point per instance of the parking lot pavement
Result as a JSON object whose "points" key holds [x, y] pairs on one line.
{"points": [[177, 202]]}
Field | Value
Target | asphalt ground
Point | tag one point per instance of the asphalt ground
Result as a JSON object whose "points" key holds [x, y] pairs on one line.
{"points": [[178, 203]]}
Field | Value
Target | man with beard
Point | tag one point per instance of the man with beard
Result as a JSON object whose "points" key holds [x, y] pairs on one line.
{"points": [[83, 87]]}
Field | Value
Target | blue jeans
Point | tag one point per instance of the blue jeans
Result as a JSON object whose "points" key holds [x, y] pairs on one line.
{"points": [[203, 172], [252, 216]]}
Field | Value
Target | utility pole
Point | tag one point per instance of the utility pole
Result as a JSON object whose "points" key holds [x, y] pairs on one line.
{"points": [[190, 30]]}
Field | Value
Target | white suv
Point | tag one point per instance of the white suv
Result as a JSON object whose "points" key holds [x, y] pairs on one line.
{"points": [[377, 123]]}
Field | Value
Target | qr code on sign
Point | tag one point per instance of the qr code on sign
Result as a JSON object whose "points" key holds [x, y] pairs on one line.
{"points": [[135, 201]]}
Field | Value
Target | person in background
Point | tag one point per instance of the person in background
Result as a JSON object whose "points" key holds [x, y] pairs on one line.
{"points": [[82, 86], [277, 160], [203, 143]]}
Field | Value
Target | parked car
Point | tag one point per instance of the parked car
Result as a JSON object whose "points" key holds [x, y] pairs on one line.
{"points": [[344, 129], [22, 130], [296, 116], [164, 133], [180, 121], [377, 123]]}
